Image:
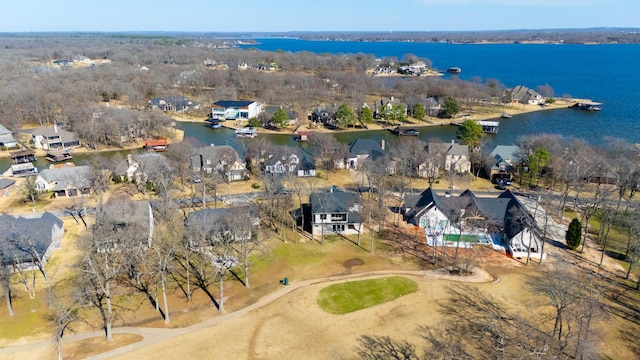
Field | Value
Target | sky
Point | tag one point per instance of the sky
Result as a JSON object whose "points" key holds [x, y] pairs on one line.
{"points": [[314, 15]]}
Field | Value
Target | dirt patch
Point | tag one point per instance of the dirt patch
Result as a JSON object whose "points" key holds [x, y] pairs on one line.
{"points": [[351, 263]]}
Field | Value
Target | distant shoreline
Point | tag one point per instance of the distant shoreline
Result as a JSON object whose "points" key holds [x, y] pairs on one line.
{"points": [[476, 114]]}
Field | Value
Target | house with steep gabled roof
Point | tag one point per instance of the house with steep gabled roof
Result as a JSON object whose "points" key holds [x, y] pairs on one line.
{"points": [[495, 220], [359, 150], [445, 156], [222, 159], [289, 160], [68, 181], [27, 236], [335, 212], [507, 160], [523, 95], [235, 109], [173, 103], [6, 138], [53, 137]]}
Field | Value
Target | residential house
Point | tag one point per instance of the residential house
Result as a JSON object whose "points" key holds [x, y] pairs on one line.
{"points": [[7, 186], [135, 217], [222, 159], [323, 116], [497, 220], [335, 212], [359, 150], [523, 95], [235, 109], [448, 156], [266, 116], [289, 160], [432, 106], [508, 158], [53, 137], [173, 103], [66, 181], [6, 138], [205, 227], [142, 167], [28, 236]]}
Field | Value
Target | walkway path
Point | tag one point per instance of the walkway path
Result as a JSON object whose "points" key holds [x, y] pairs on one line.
{"points": [[156, 335]]}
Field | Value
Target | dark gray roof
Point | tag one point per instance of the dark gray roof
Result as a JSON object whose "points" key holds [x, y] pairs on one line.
{"points": [[366, 147], [217, 154], [213, 220], [233, 103], [494, 209], [16, 231], [269, 111], [49, 131], [5, 183], [337, 202], [76, 176], [451, 148]]}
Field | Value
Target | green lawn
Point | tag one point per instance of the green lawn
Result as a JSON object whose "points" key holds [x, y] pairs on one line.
{"points": [[356, 295]]}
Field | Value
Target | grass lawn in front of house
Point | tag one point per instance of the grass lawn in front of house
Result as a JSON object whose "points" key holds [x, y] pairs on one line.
{"points": [[356, 295]]}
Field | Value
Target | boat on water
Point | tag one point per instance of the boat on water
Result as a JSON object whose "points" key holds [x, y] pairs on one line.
{"points": [[246, 132], [505, 116], [454, 70], [406, 131]]}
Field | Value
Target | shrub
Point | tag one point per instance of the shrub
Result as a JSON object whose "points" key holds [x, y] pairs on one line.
{"points": [[255, 186], [574, 234]]}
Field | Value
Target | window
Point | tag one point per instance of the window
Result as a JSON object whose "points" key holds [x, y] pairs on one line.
{"points": [[323, 216], [338, 217], [338, 228]]}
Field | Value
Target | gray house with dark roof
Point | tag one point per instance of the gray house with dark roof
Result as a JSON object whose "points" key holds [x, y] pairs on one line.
{"points": [[173, 103], [289, 160], [507, 159], [25, 238], [445, 156], [223, 159], [6, 138], [336, 212], [53, 137], [496, 219], [359, 150], [523, 95], [66, 181]]}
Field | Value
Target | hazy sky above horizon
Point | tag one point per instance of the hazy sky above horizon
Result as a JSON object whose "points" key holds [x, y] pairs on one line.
{"points": [[326, 15]]}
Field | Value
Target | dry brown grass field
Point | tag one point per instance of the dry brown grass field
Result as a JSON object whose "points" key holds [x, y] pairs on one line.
{"points": [[269, 321]]}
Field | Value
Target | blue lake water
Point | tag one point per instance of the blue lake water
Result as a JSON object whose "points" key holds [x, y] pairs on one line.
{"points": [[605, 73]]}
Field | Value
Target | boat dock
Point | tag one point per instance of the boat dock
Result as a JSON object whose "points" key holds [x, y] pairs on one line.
{"points": [[488, 127], [405, 131]]}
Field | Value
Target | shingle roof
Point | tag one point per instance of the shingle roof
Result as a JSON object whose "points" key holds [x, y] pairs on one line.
{"points": [[366, 147], [216, 154], [5, 183], [15, 231], [76, 176], [233, 103]]}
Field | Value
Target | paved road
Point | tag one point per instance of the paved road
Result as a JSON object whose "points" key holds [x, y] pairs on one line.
{"points": [[152, 336]]}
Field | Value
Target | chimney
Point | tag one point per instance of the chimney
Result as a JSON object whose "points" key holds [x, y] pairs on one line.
{"points": [[453, 141], [55, 127], [129, 159], [382, 144]]}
